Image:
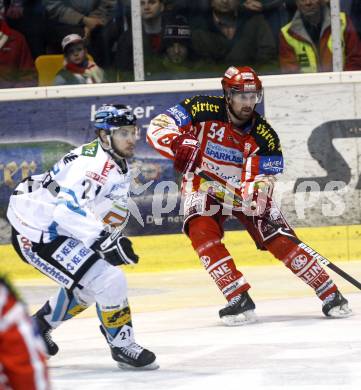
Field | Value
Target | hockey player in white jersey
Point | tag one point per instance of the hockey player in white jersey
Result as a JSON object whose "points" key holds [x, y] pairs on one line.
{"points": [[67, 223]]}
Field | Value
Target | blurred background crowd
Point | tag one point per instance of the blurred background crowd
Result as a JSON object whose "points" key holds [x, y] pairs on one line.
{"points": [[90, 41]]}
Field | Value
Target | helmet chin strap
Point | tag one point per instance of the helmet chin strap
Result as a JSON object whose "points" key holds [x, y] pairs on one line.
{"points": [[119, 159], [112, 149], [230, 109]]}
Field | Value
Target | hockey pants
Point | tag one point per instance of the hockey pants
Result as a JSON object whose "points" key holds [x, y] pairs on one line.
{"points": [[105, 285]]}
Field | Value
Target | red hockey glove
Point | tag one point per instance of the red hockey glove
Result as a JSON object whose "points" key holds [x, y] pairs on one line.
{"points": [[186, 153]]}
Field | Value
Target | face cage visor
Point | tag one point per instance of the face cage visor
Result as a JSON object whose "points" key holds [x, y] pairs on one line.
{"points": [[124, 132], [121, 133], [250, 98]]}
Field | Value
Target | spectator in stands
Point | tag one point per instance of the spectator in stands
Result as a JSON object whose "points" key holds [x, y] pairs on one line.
{"points": [[291, 8], [176, 39], [91, 19], [355, 14], [305, 42], [28, 17], [176, 60], [152, 11], [274, 11], [152, 25], [345, 5], [228, 36], [22, 353], [188, 7], [16, 64], [78, 68], [14, 9]]}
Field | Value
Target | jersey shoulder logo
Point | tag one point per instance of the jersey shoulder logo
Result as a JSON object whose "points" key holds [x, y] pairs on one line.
{"points": [[68, 158], [265, 136], [90, 150], [179, 114], [203, 107]]}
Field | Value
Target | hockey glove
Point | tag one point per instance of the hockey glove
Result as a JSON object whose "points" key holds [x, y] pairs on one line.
{"points": [[257, 196], [186, 153], [115, 248]]}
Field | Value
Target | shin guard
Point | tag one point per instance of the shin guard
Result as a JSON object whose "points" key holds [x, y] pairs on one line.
{"points": [[64, 306], [206, 236], [116, 324], [302, 264]]}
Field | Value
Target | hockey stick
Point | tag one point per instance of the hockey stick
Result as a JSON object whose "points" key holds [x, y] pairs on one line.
{"points": [[230, 193]]}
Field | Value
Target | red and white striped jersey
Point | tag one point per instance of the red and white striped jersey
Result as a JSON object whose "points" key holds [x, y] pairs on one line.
{"points": [[22, 356], [237, 156]]}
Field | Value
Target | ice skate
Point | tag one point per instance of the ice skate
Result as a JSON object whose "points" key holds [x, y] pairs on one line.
{"points": [[239, 311], [45, 330], [336, 306], [134, 357]]}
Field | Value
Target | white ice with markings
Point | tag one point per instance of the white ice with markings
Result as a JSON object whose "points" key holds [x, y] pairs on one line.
{"points": [[292, 346]]}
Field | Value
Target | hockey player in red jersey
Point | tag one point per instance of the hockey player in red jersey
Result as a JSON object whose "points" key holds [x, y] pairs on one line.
{"points": [[226, 138], [22, 353]]}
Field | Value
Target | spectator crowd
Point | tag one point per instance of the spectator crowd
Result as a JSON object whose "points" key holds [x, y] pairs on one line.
{"points": [[181, 38]]}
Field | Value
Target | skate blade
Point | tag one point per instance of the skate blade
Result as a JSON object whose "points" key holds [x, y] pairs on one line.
{"points": [[148, 367], [340, 312], [245, 318]]}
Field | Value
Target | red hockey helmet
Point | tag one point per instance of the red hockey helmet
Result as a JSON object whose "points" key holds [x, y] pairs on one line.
{"points": [[242, 79]]}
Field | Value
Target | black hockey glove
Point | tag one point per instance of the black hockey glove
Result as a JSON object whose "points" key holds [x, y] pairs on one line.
{"points": [[115, 248]]}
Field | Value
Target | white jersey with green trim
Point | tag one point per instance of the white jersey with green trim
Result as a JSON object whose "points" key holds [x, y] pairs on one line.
{"points": [[79, 196]]}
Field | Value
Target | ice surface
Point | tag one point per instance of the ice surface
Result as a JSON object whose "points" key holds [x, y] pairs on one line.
{"points": [[293, 346]]}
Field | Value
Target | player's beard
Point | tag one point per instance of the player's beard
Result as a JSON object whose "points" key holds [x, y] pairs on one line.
{"points": [[242, 117], [125, 153], [128, 154]]}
